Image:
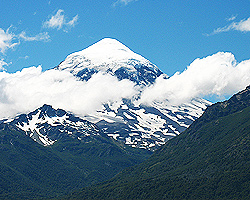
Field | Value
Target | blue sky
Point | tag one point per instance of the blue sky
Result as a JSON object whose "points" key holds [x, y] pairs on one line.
{"points": [[171, 34]]}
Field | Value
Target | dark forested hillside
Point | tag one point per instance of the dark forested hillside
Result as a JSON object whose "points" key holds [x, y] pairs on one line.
{"points": [[210, 160], [29, 170]]}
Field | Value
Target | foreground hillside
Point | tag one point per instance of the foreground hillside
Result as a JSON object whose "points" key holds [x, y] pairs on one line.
{"points": [[210, 160], [29, 170]]}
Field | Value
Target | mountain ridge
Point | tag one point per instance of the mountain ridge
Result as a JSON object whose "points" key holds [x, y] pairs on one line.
{"points": [[210, 160], [46, 125]]}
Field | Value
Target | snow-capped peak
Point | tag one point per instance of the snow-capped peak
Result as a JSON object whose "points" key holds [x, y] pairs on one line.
{"points": [[112, 57], [46, 125], [107, 50]]}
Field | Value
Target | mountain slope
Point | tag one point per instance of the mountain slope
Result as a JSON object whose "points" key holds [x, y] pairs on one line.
{"points": [[62, 161], [210, 160], [146, 126], [134, 124], [46, 125], [111, 56]]}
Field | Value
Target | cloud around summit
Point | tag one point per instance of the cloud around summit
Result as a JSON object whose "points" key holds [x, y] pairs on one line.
{"points": [[24, 91], [216, 75]]}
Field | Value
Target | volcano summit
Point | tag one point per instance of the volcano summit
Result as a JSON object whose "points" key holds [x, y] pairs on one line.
{"points": [[138, 125]]}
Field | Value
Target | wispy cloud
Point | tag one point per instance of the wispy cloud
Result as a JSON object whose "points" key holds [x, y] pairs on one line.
{"points": [[243, 26], [73, 21], [2, 64], [122, 2], [7, 40], [58, 21], [232, 18], [24, 57], [39, 37]]}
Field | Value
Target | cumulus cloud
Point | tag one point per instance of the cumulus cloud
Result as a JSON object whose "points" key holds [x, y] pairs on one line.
{"points": [[122, 2], [21, 92], [58, 21], [30, 88], [7, 40], [218, 75], [243, 26]]}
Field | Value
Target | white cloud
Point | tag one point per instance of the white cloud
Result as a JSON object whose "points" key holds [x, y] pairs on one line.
{"points": [[30, 88], [26, 90], [232, 18], [73, 21], [24, 57], [58, 21], [7, 40], [243, 26], [122, 2], [2, 64], [217, 75], [39, 37]]}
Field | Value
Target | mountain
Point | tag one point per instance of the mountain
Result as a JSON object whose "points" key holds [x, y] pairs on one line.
{"points": [[47, 125], [50, 152], [146, 126], [210, 160], [134, 124], [112, 57]]}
